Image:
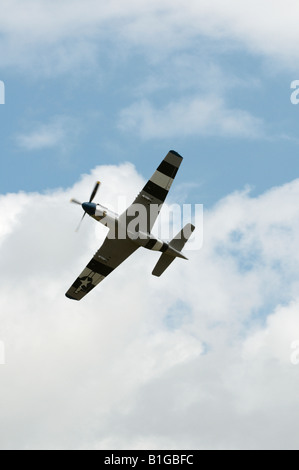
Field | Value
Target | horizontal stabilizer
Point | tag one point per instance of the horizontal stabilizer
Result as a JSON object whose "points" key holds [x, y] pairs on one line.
{"points": [[163, 263]]}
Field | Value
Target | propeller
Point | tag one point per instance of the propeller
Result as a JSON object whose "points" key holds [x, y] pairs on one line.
{"points": [[94, 192], [74, 201], [92, 196], [77, 229]]}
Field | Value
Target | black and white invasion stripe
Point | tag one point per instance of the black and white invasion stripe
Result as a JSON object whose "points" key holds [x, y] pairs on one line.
{"points": [[161, 181]]}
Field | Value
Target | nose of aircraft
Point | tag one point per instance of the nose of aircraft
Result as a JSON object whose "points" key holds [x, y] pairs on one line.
{"points": [[89, 207]]}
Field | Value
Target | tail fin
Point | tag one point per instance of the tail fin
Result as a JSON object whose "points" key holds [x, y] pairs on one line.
{"points": [[174, 250]]}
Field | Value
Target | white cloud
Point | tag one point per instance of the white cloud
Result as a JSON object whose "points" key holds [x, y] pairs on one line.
{"points": [[51, 29], [54, 134], [197, 358], [274, 341], [208, 116]]}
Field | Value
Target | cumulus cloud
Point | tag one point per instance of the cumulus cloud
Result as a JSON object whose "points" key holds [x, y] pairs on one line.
{"points": [[199, 358], [208, 116], [267, 28]]}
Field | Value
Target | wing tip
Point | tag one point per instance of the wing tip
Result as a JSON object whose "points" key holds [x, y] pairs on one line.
{"points": [[70, 297], [176, 154]]}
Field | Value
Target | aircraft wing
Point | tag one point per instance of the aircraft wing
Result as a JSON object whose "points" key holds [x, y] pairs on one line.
{"points": [[154, 192], [111, 254]]}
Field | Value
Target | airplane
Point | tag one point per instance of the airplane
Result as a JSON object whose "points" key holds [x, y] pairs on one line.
{"points": [[127, 232]]}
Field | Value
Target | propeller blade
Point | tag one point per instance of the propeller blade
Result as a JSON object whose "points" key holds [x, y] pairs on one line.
{"points": [[77, 229], [94, 192], [93, 195], [74, 201]]}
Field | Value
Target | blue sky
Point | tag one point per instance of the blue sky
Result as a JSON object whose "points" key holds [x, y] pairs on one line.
{"points": [[201, 357], [83, 104]]}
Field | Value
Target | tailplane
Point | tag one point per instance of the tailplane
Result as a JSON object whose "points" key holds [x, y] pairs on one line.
{"points": [[174, 250]]}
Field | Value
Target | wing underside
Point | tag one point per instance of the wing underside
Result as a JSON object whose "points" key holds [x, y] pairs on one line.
{"points": [[112, 253], [154, 193]]}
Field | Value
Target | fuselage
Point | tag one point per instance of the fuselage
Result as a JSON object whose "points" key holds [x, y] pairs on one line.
{"points": [[118, 229]]}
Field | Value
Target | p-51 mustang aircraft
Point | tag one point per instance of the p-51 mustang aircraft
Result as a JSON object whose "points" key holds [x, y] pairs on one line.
{"points": [[127, 232]]}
